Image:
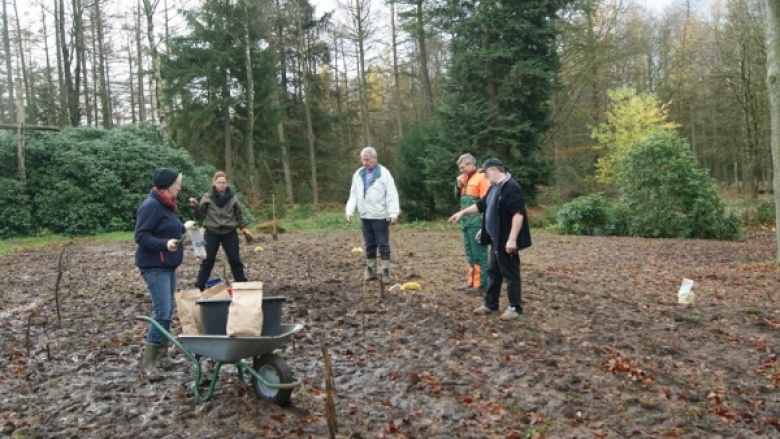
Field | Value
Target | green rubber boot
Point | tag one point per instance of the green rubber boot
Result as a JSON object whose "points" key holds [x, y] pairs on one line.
{"points": [[386, 271], [370, 270], [151, 353], [164, 359]]}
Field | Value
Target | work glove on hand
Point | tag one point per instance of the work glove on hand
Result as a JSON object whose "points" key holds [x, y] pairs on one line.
{"points": [[190, 225], [247, 234], [173, 245]]}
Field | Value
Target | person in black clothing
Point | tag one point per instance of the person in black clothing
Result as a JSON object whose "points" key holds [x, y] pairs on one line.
{"points": [[505, 228], [222, 215]]}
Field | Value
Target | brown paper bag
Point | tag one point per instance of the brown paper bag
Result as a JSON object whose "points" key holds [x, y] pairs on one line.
{"points": [[245, 316], [189, 311], [218, 291]]}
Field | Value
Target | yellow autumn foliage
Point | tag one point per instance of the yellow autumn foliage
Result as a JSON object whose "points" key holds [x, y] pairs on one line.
{"points": [[631, 119]]}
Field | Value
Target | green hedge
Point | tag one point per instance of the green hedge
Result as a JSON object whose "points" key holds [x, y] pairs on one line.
{"points": [[85, 181]]}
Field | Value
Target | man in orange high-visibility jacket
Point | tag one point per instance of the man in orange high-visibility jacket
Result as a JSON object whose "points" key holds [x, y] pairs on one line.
{"points": [[472, 186]]}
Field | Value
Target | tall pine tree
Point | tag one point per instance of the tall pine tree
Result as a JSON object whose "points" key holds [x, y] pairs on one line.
{"points": [[502, 74], [206, 72]]}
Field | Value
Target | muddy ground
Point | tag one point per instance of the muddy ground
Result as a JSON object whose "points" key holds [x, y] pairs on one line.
{"points": [[604, 350]]}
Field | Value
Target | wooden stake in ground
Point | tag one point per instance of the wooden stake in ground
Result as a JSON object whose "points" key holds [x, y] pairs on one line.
{"points": [[57, 288], [273, 216], [330, 389]]}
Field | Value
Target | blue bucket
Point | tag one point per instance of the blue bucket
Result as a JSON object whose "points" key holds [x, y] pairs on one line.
{"points": [[213, 281]]}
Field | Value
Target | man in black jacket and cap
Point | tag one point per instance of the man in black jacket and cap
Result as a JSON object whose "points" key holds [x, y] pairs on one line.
{"points": [[505, 228]]}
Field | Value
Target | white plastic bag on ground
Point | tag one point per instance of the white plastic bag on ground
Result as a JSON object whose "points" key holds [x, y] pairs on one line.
{"points": [[686, 296]]}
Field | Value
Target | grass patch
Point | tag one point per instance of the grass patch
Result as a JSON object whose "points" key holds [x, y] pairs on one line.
{"points": [[51, 241]]}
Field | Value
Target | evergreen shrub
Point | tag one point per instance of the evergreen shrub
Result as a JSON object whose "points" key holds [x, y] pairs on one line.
{"points": [[586, 215], [85, 180], [668, 194]]}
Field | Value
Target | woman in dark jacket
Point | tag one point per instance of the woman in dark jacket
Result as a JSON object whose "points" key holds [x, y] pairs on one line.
{"points": [[158, 233], [222, 215]]}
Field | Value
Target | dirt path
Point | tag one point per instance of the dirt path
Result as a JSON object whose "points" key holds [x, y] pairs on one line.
{"points": [[604, 351]]}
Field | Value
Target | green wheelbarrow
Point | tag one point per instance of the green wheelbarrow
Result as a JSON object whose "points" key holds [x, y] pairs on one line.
{"points": [[270, 375]]}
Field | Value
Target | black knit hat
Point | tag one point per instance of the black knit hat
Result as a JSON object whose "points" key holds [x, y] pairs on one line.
{"points": [[163, 178]]}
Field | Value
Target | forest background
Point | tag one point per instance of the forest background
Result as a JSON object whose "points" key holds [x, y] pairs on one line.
{"points": [[283, 96]]}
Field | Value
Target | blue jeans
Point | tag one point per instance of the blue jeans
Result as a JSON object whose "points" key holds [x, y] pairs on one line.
{"points": [[376, 233], [161, 283]]}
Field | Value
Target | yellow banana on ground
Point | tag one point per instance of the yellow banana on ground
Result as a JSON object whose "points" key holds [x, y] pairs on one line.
{"points": [[411, 286]]}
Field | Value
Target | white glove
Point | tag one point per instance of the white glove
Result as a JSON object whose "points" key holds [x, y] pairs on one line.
{"points": [[173, 245], [190, 225]]}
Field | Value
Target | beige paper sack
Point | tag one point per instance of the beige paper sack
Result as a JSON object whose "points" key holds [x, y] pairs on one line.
{"points": [[218, 291], [189, 311], [245, 316]]}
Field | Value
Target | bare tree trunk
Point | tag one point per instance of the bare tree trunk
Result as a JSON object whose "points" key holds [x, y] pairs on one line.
{"points": [[80, 73], [772, 30], [140, 67], [337, 85], [72, 84], [150, 7], [131, 82], [280, 89], [22, 62], [8, 66], [105, 98], [150, 98], [424, 74], [49, 71], [283, 150], [302, 53], [166, 106], [63, 95], [250, 104], [396, 76], [360, 39], [93, 110], [20, 164], [229, 166], [350, 140]]}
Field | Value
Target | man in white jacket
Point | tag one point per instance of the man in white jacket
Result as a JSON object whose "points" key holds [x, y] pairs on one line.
{"points": [[374, 195]]}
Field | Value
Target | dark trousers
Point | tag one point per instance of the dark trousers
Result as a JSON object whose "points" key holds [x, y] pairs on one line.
{"points": [[504, 266], [229, 242], [376, 233]]}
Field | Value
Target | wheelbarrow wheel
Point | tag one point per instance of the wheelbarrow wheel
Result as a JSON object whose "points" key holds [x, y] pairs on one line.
{"points": [[273, 369]]}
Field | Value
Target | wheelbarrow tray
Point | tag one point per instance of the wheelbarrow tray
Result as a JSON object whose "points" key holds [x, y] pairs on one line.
{"points": [[231, 349]]}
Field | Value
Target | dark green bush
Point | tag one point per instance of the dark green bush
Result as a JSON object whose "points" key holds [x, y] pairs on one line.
{"points": [[765, 213], [83, 181], [587, 215], [15, 214], [667, 194]]}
